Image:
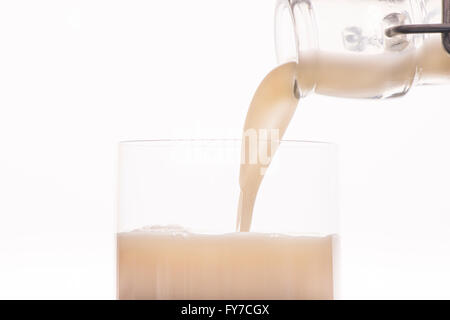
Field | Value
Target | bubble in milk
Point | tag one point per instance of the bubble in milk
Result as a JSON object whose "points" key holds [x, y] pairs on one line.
{"points": [[166, 229]]}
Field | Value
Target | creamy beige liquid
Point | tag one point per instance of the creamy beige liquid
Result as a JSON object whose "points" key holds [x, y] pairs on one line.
{"points": [[175, 264], [379, 75], [434, 62], [272, 108], [345, 75], [156, 264]]}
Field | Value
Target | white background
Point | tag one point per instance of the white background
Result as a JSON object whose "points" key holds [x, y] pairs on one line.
{"points": [[76, 77]]}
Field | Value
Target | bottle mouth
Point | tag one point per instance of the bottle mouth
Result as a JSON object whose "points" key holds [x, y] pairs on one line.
{"points": [[296, 41], [286, 41], [295, 30]]}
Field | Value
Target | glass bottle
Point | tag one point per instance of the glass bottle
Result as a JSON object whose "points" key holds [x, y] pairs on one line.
{"points": [[345, 48]]}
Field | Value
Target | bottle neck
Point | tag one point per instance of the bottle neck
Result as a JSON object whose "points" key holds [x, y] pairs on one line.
{"points": [[296, 40]]}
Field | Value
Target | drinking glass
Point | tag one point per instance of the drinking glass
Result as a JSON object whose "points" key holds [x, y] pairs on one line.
{"points": [[177, 211]]}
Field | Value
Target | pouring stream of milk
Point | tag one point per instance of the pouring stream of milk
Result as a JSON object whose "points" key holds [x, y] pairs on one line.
{"points": [[270, 111]]}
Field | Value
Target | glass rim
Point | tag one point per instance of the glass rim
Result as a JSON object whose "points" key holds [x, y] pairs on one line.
{"points": [[155, 142]]}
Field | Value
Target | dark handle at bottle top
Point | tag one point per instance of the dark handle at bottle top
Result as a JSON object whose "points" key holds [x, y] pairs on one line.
{"points": [[443, 28]]}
